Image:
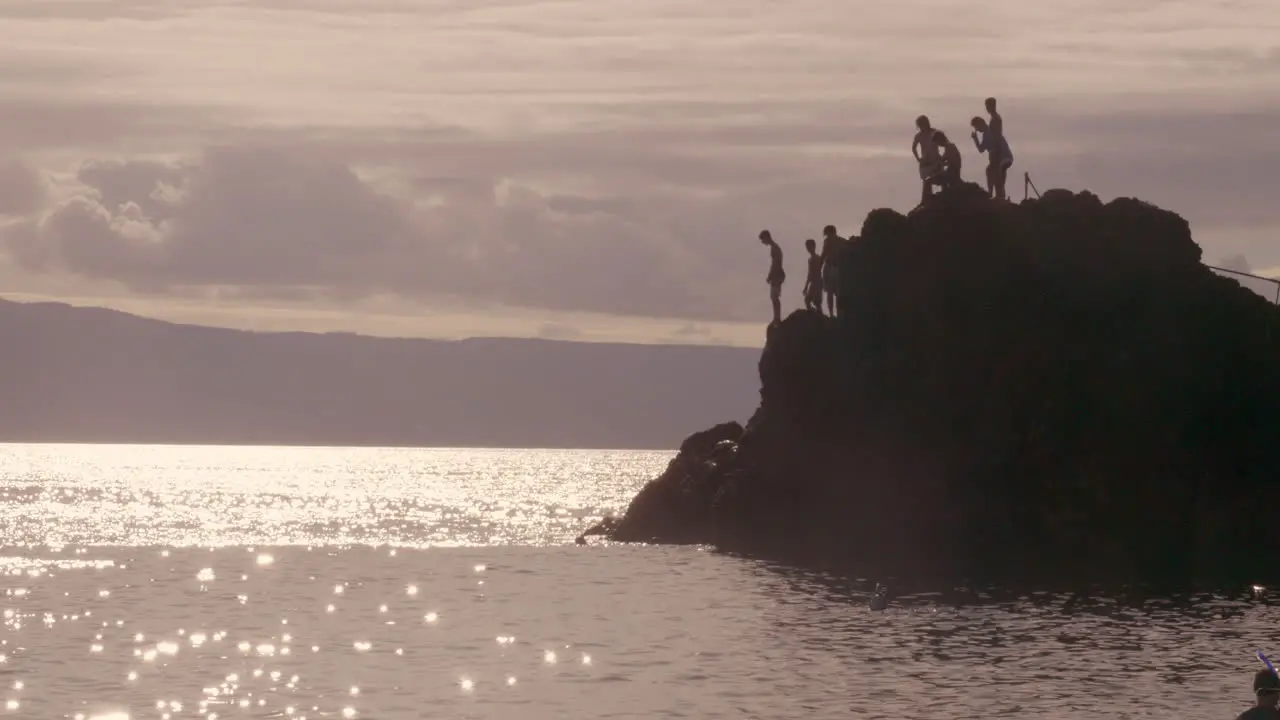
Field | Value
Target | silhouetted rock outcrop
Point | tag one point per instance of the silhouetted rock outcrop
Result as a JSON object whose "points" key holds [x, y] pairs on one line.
{"points": [[1055, 390]]}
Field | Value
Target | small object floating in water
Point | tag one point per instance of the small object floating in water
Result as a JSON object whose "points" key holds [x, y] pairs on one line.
{"points": [[879, 598]]}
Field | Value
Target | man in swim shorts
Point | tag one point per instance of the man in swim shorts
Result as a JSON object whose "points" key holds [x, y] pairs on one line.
{"points": [[813, 281], [996, 145], [776, 275], [832, 244], [927, 157], [951, 161], [999, 156]]}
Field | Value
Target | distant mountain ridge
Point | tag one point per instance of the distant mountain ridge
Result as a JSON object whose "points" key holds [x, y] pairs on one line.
{"points": [[78, 374]]}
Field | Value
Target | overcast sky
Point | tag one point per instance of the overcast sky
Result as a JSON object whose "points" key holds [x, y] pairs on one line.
{"points": [[592, 169]]}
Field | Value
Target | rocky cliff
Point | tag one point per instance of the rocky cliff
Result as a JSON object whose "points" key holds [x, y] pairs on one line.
{"points": [[1056, 390]]}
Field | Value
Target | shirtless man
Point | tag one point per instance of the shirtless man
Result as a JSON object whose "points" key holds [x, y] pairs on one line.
{"points": [[776, 275], [951, 161], [831, 246], [927, 156], [996, 146], [813, 281]]}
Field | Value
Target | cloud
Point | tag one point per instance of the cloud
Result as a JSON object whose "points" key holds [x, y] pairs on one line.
{"points": [[691, 330], [88, 127], [22, 190], [274, 222], [1238, 268], [608, 157], [246, 217], [641, 222], [559, 331], [1236, 263]]}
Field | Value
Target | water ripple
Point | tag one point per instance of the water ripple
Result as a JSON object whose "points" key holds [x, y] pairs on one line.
{"points": [[216, 496], [221, 583]]}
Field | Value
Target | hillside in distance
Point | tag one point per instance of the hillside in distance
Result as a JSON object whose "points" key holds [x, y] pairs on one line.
{"points": [[73, 374]]}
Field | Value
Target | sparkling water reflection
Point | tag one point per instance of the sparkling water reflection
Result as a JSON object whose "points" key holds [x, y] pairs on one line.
{"points": [[217, 496], [264, 608]]}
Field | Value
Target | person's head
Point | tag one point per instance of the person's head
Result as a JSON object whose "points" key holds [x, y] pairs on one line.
{"points": [[810, 245], [979, 124], [1267, 687], [829, 231], [991, 104], [922, 122], [940, 138], [765, 237]]}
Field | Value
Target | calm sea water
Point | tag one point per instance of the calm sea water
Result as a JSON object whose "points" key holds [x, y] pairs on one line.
{"points": [[205, 582]]}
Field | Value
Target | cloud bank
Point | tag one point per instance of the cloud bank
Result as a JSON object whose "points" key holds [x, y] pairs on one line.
{"points": [[568, 157]]}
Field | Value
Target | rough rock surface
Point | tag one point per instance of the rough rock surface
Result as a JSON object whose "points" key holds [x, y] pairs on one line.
{"points": [[1055, 390]]}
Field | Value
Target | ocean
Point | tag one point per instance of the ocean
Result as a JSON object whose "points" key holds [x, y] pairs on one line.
{"points": [[235, 582]]}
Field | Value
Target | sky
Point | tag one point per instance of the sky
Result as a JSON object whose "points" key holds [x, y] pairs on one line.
{"points": [[578, 169]]}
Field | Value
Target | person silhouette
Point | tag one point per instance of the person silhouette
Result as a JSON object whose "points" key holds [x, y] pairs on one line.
{"points": [[925, 151], [776, 275], [1266, 693], [996, 146], [832, 243], [813, 281], [949, 174], [979, 125]]}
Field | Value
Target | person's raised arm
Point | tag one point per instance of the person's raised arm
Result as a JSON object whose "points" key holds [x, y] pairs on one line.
{"points": [[980, 144]]}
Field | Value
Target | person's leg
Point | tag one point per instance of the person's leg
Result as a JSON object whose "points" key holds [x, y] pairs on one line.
{"points": [[775, 296], [992, 174], [1002, 178], [831, 283]]}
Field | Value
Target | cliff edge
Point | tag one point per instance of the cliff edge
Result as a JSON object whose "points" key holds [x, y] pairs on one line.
{"points": [[1056, 390]]}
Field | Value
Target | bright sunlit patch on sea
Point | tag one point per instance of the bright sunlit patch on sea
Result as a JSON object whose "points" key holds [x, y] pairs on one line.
{"points": [[203, 617], [221, 582], [160, 646], [78, 495], [559, 630]]}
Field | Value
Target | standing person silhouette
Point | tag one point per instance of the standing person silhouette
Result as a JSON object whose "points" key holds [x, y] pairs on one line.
{"points": [[813, 281], [927, 156], [776, 275], [831, 246], [996, 146]]}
